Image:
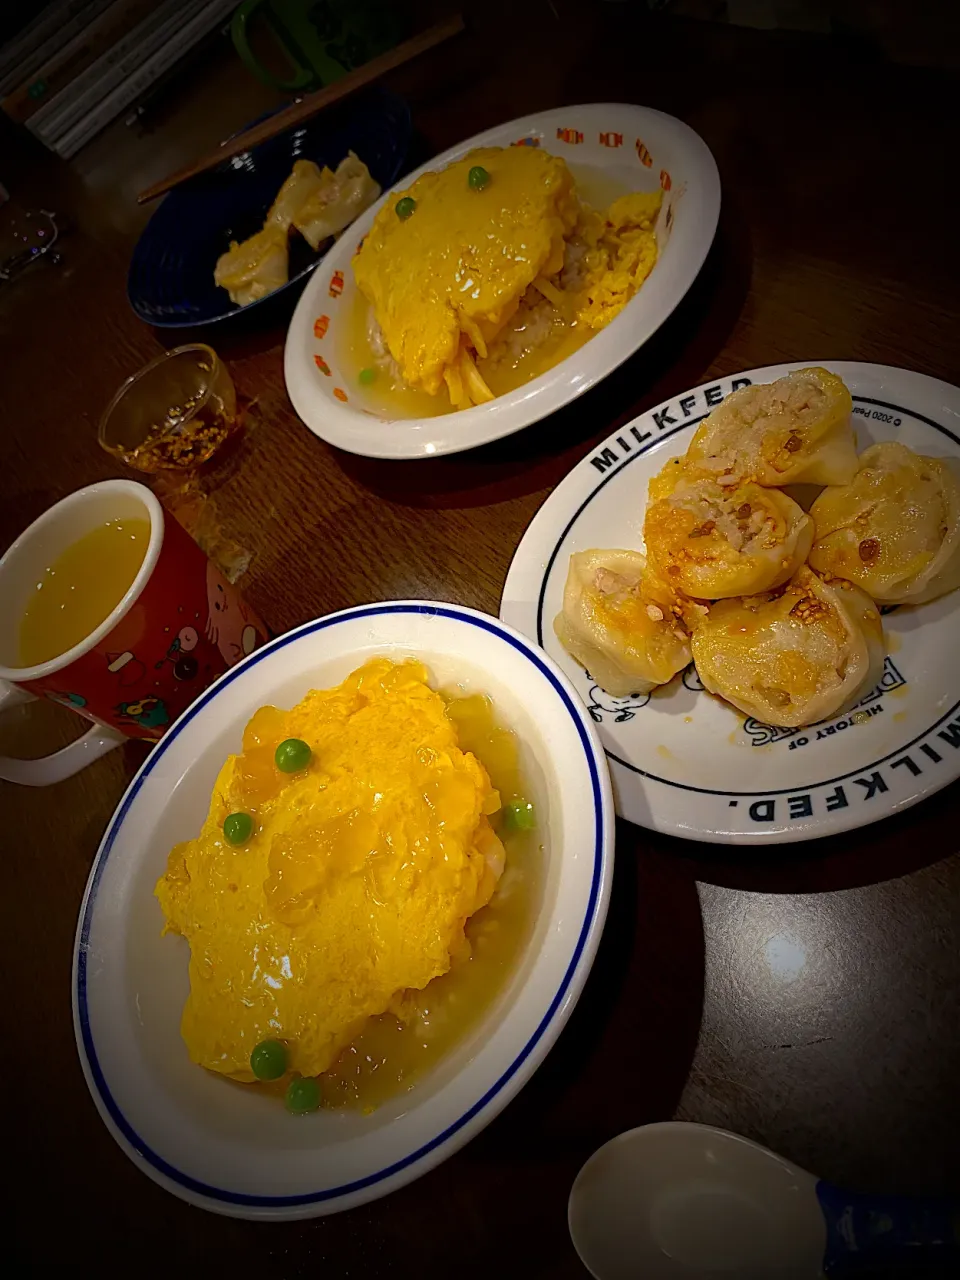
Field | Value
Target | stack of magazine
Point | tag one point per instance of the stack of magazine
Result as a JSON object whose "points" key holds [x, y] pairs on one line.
{"points": [[81, 63]]}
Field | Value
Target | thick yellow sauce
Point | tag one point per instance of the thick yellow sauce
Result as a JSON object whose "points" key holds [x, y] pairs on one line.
{"points": [[388, 1056], [386, 396], [564, 339], [390, 397]]}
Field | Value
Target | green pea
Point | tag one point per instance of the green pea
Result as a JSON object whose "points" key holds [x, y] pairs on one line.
{"points": [[269, 1060], [303, 1094], [237, 828], [405, 207], [478, 177], [366, 377], [520, 815], [292, 755]]}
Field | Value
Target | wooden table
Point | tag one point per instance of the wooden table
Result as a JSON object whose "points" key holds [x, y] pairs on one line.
{"points": [[837, 240]]}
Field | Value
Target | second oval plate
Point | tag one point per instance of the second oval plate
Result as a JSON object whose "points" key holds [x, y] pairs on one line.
{"points": [[615, 145], [687, 764]]}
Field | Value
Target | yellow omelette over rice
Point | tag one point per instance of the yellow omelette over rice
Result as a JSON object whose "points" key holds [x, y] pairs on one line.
{"points": [[464, 281], [356, 883]]}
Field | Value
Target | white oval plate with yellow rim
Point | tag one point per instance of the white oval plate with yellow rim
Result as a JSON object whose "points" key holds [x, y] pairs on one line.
{"points": [[632, 149], [688, 764]]}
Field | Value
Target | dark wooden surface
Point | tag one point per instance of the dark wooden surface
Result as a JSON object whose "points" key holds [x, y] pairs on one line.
{"points": [[806, 995]]}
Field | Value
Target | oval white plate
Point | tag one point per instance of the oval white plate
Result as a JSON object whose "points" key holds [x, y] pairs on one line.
{"points": [[683, 762], [237, 1151], [636, 147]]}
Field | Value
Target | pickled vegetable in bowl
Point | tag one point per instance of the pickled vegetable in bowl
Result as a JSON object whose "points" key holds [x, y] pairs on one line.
{"points": [[173, 415]]}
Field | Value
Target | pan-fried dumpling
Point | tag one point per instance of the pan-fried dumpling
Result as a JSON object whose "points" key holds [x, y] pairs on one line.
{"points": [[712, 542], [794, 656], [794, 430], [895, 529], [255, 267], [336, 200], [619, 622], [304, 180]]}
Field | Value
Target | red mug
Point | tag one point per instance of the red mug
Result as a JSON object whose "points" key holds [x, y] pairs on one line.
{"points": [[179, 625]]}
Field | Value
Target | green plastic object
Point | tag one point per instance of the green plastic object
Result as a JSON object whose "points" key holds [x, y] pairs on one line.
{"points": [[321, 39]]}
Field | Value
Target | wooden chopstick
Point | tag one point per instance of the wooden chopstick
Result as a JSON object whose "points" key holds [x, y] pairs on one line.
{"points": [[310, 105]]}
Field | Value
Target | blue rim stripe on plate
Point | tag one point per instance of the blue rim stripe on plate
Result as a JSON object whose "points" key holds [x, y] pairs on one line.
{"points": [[123, 1125]]}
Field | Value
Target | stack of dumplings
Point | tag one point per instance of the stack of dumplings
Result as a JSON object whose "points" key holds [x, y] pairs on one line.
{"points": [[776, 605], [318, 203]]}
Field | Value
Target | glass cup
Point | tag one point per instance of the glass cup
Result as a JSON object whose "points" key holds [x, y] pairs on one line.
{"points": [[173, 415], [25, 238]]}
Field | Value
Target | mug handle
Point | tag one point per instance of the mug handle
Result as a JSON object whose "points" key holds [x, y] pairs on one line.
{"points": [[96, 742]]}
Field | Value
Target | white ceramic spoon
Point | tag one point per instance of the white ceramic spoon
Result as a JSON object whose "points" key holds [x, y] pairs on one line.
{"points": [[681, 1201]]}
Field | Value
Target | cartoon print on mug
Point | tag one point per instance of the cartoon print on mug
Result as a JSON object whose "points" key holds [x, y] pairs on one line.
{"points": [[148, 712], [127, 667], [185, 665], [230, 625], [73, 700]]}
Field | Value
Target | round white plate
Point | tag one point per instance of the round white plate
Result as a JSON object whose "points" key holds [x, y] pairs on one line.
{"points": [[685, 763], [235, 1150], [636, 148]]}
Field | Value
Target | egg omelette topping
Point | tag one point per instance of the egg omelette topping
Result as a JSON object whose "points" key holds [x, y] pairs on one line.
{"points": [[467, 273], [355, 884], [621, 250]]}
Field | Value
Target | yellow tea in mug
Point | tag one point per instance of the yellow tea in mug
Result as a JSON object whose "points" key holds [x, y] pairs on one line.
{"points": [[81, 588]]}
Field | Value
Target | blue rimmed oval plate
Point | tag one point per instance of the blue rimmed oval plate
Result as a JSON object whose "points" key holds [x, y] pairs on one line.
{"points": [[688, 764], [234, 1150], [170, 281]]}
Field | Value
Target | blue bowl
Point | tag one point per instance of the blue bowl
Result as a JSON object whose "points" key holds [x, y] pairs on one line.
{"points": [[170, 282]]}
